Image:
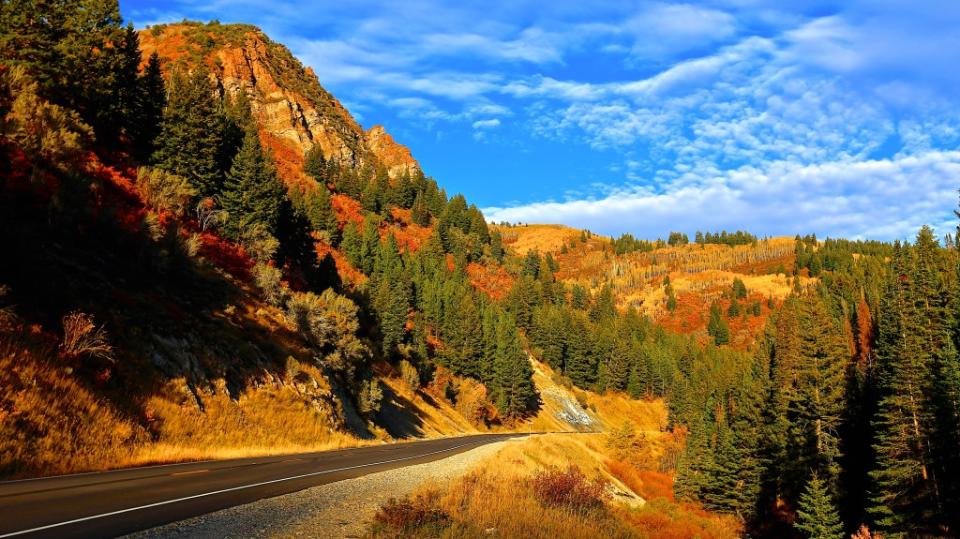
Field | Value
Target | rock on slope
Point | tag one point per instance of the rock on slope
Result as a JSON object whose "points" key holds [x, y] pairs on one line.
{"points": [[294, 112]]}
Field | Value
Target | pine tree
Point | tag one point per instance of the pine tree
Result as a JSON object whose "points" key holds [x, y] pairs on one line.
{"points": [[717, 326], [352, 244], [80, 55], [739, 289], [817, 516], [152, 99], [513, 390], [581, 364], [496, 246], [190, 139], [619, 362], [369, 245], [419, 213], [252, 193], [319, 211], [904, 488]]}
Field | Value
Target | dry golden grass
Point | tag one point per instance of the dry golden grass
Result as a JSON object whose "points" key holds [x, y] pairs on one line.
{"points": [[498, 498], [50, 423], [543, 238]]}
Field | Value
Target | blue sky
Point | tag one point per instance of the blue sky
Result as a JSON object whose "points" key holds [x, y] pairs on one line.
{"points": [[839, 118]]}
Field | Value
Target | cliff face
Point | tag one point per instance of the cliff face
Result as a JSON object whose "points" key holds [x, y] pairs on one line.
{"points": [[396, 157], [293, 111]]}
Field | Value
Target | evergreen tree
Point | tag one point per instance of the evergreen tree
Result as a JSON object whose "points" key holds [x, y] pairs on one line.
{"points": [[252, 193], [717, 326], [152, 99], [369, 244], [419, 213], [496, 246], [739, 289], [319, 211], [817, 516], [513, 389], [190, 137], [352, 244]]}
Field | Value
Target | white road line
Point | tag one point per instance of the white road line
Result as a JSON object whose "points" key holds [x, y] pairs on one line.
{"points": [[185, 498]]}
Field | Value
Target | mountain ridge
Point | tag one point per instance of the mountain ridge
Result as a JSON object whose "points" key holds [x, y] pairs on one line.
{"points": [[292, 109]]}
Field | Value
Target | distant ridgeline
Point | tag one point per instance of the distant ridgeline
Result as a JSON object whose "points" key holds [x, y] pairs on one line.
{"points": [[185, 212]]}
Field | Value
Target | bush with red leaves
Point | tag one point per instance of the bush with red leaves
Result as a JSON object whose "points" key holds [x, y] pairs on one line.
{"points": [[568, 488]]}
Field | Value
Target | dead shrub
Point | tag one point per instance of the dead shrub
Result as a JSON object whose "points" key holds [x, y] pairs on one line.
{"points": [[568, 488], [410, 514], [82, 337]]}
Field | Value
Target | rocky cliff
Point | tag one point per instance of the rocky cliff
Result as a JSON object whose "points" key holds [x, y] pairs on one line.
{"points": [[294, 112]]}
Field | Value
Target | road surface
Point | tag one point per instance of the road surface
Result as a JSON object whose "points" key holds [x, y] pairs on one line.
{"points": [[107, 504]]}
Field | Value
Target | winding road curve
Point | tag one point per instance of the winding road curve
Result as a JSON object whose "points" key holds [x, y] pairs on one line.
{"points": [[106, 504]]}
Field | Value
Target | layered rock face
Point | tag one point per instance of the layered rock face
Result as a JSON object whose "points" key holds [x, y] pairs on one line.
{"points": [[293, 111], [396, 157]]}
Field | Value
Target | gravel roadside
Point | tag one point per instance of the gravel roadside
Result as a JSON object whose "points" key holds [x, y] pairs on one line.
{"points": [[338, 510]]}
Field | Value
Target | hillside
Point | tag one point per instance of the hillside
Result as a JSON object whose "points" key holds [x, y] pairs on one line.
{"points": [[698, 274], [128, 319], [205, 255], [293, 112]]}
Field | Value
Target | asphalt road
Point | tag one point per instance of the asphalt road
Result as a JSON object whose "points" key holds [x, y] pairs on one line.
{"points": [[108, 504]]}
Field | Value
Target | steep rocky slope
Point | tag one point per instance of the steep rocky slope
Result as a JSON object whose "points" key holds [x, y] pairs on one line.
{"points": [[294, 112]]}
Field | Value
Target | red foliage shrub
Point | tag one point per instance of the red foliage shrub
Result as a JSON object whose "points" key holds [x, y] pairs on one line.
{"points": [[228, 256], [568, 488]]}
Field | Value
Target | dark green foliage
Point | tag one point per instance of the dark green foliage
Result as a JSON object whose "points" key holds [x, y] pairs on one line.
{"points": [[817, 516], [734, 309], [252, 193], [191, 136], [419, 213], [677, 238], [496, 246], [628, 244], [352, 244], [152, 99], [740, 237], [916, 421], [717, 325], [513, 389], [739, 289], [314, 204], [84, 59]]}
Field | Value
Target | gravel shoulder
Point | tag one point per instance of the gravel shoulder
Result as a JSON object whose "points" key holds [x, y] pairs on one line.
{"points": [[337, 510]]}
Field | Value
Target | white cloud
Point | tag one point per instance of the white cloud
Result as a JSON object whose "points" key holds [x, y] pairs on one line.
{"points": [[662, 30], [889, 198], [486, 124]]}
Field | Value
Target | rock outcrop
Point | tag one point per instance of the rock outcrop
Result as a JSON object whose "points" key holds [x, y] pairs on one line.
{"points": [[396, 157], [293, 111]]}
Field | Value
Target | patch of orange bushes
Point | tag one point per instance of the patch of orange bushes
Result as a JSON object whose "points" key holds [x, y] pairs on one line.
{"points": [[492, 280], [347, 209], [229, 256]]}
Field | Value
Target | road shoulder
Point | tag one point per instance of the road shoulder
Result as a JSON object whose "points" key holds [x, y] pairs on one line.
{"points": [[337, 510]]}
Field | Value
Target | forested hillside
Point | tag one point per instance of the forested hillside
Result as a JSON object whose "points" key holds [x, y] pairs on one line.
{"points": [[206, 255]]}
